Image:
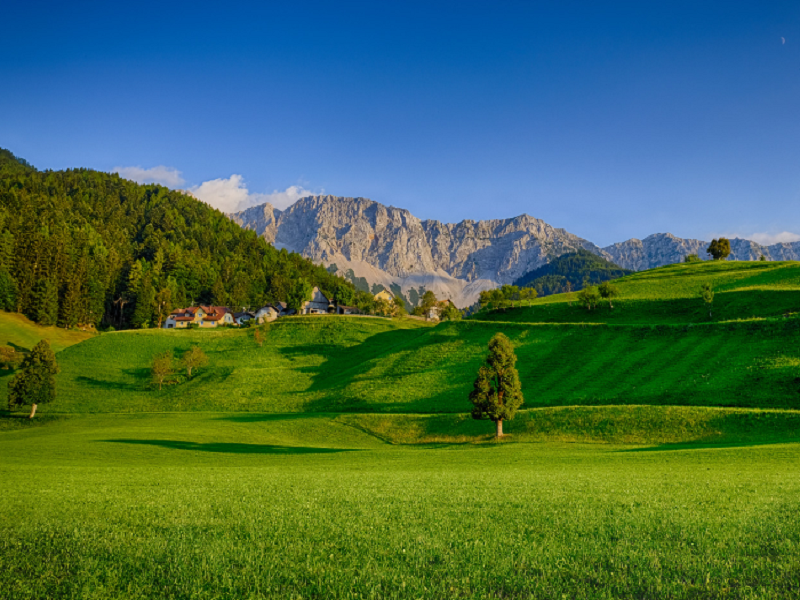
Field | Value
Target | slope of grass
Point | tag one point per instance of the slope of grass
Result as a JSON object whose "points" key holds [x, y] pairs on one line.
{"points": [[220, 506], [111, 371], [23, 334], [375, 365], [670, 294]]}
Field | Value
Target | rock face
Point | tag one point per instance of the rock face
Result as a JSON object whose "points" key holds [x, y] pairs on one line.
{"points": [[376, 245], [385, 244], [664, 249]]}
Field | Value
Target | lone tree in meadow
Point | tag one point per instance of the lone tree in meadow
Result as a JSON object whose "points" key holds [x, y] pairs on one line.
{"points": [[497, 393], [719, 249], [589, 297], [163, 367], [36, 381], [194, 359], [608, 291]]}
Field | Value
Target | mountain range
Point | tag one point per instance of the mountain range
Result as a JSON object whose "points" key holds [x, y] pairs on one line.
{"points": [[377, 246]]}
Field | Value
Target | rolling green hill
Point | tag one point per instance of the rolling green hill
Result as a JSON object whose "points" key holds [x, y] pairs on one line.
{"points": [[372, 365], [670, 295]]}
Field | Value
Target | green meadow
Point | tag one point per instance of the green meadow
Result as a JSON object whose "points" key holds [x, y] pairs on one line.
{"points": [[655, 456], [671, 295], [307, 506]]}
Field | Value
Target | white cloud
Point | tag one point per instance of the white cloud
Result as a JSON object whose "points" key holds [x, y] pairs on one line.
{"points": [[231, 194], [164, 175], [767, 239], [287, 197]]}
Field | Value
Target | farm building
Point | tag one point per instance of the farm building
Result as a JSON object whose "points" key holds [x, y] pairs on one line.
{"points": [[318, 305]]}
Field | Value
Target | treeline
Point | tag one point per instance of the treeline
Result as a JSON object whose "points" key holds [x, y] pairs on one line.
{"points": [[81, 247]]}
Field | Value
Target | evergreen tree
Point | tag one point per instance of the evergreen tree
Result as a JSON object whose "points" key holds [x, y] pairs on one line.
{"points": [[145, 303], [35, 383], [45, 302], [497, 392], [8, 291]]}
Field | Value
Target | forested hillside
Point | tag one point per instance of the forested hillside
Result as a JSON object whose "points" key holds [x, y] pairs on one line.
{"points": [[81, 247], [569, 272]]}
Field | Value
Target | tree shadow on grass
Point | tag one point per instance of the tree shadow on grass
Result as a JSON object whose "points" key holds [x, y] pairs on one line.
{"points": [[232, 447], [109, 385]]}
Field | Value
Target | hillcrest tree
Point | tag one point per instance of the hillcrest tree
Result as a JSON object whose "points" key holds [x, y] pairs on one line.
{"points": [[497, 392], [36, 382], [719, 249]]}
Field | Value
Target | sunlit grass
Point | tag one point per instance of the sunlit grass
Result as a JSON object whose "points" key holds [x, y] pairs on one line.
{"points": [[206, 506]]}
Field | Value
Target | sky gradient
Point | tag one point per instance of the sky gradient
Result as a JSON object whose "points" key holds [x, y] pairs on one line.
{"points": [[612, 122]]}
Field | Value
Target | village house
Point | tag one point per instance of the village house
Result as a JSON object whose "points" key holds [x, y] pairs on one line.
{"points": [[202, 316], [434, 312], [384, 295], [318, 305], [267, 313], [240, 318]]}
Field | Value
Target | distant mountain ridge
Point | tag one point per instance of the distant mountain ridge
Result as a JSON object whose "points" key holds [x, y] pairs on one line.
{"points": [[384, 246]]}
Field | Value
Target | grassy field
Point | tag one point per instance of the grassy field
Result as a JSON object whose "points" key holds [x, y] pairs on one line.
{"points": [[670, 295], [23, 334], [376, 365], [304, 506]]}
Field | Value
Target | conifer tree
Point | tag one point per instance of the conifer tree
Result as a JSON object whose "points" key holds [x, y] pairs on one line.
{"points": [[35, 383], [45, 302], [497, 392], [8, 291]]}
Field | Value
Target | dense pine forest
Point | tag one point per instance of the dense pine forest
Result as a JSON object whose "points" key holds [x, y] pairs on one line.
{"points": [[85, 248]]}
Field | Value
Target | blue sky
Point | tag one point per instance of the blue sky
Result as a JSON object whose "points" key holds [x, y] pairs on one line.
{"points": [[611, 120]]}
